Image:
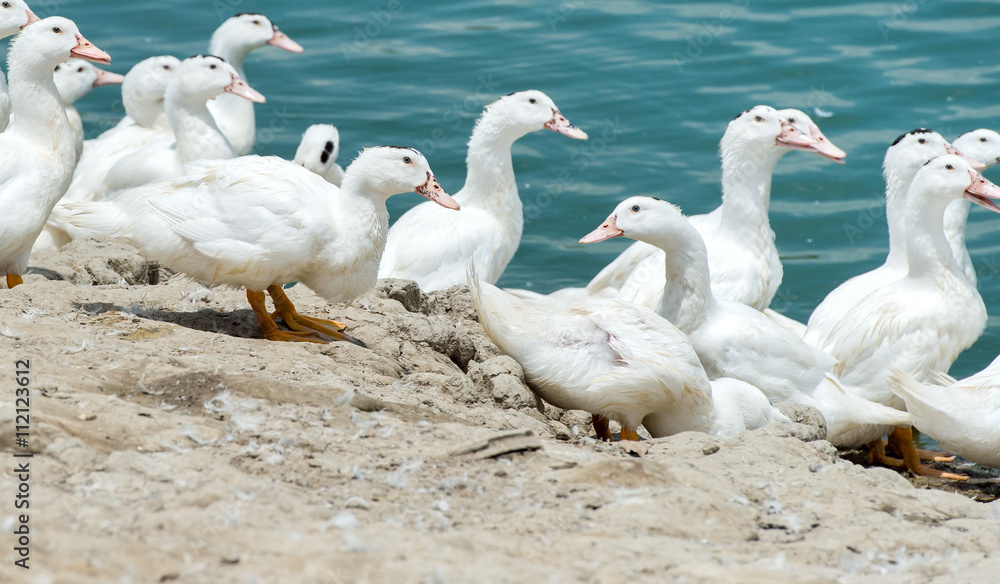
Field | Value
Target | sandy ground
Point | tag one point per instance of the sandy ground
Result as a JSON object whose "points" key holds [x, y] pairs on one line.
{"points": [[173, 443]]}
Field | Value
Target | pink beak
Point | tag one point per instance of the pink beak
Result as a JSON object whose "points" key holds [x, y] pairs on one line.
{"points": [[240, 88], [975, 164], [86, 50], [607, 230], [32, 17], [560, 124], [982, 192], [791, 137], [825, 147], [433, 191], [107, 78], [282, 41]]}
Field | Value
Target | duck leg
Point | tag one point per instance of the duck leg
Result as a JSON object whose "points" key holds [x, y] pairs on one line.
{"points": [[270, 329], [284, 308], [601, 428], [14, 280], [896, 444], [876, 454], [903, 438], [629, 434]]}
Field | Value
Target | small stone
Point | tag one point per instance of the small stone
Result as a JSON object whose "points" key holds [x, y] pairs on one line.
{"points": [[710, 449], [357, 503], [86, 417], [560, 431]]}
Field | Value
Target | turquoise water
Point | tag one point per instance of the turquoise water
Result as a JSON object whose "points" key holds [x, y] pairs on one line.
{"points": [[653, 83]]}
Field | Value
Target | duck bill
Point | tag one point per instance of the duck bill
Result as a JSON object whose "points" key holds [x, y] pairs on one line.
{"points": [[86, 50], [824, 147], [792, 137], [975, 164], [433, 191], [607, 230], [108, 78], [32, 17], [240, 88], [982, 192], [560, 124], [282, 41]]}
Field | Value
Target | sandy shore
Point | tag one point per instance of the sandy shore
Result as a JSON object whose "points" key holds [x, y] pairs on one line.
{"points": [[173, 443]]}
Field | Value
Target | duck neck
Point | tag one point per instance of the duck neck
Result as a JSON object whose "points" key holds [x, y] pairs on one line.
{"points": [[746, 186], [927, 250], [368, 208], [198, 137], [490, 183], [39, 116], [687, 298], [895, 215]]}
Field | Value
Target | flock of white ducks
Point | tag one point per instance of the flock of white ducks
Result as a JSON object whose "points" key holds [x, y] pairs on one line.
{"points": [[674, 335]]}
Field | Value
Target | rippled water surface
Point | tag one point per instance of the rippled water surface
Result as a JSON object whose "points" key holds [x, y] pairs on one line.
{"points": [[654, 84]]}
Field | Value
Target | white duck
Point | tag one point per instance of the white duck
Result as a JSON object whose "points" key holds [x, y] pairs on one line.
{"points": [[145, 122], [233, 41], [731, 338], [617, 361], [743, 258], [260, 222], [196, 135], [907, 154], [919, 323], [318, 152], [37, 153], [14, 16], [962, 415], [75, 79], [489, 230], [982, 145]]}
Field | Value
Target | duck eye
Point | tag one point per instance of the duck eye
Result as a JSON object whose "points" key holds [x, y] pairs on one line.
{"points": [[532, 100], [257, 22], [635, 208], [80, 70], [983, 140], [407, 160], [6, 4], [56, 30], [213, 66], [949, 167], [166, 67], [58, 67], [921, 141], [758, 118]]}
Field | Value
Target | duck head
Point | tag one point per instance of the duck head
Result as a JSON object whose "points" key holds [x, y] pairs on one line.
{"points": [[319, 148], [204, 77], [75, 78], [390, 170], [145, 85], [983, 145], [529, 111], [804, 124]]}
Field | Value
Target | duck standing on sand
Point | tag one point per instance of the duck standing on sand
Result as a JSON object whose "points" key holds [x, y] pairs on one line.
{"points": [[37, 152], [918, 323], [256, 223], [489, 229]]}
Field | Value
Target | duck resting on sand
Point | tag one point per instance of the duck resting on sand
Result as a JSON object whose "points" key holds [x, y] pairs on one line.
{"points": [[256, 223], [618, 361]]}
